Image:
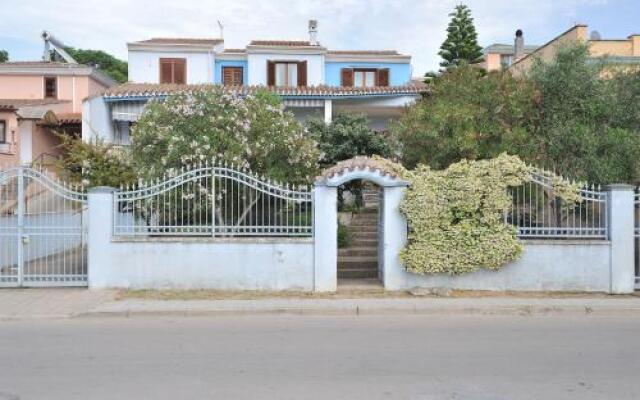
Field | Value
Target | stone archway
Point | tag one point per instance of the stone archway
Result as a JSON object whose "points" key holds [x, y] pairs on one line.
{"points": [[394, 226]]}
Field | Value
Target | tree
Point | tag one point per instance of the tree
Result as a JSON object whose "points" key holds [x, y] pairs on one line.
{"points": [[589, 126], [347, 136], [254, 133], [461, 44], [115, 68], [566, 115], [468, 115], [4, 56]]}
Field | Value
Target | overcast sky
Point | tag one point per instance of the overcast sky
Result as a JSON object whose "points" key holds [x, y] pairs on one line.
{"points": [[416, 27]]}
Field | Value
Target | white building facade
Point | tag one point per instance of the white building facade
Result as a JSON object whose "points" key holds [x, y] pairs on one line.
{"points": [[311, 80]]}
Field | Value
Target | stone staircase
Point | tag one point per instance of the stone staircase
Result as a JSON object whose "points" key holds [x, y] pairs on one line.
{"points": [[360, 259]]}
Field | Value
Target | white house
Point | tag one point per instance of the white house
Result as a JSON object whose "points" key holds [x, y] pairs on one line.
{"points": [[311, 79]]}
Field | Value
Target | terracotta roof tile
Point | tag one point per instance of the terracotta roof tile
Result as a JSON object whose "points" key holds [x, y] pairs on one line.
{"points": [[234, 51], [292, 43], [356, 163], [183, 41], [151, 90], [14, 104], [365, 52], [69, 118], [41, 64]]}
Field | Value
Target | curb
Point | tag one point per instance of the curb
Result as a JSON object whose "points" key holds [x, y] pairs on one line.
{"points": [[523, 311]]}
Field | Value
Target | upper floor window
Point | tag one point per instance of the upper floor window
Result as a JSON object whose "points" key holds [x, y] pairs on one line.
{"points": [[232, 76], [50, 87], [3, 132], [173, 70], [360, 77], [287, 73]]}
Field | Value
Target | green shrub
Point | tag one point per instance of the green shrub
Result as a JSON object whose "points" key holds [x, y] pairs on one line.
{"points": [[344, 237], [95, 163]]}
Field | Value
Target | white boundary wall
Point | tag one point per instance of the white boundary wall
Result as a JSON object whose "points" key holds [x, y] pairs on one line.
{"points": [[311, 264]]}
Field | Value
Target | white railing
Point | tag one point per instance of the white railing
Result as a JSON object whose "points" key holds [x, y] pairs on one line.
{"points": [[213, 200], [538, 213]]}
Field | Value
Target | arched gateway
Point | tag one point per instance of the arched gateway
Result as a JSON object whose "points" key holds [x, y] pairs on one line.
{"points": [[394, 227]]}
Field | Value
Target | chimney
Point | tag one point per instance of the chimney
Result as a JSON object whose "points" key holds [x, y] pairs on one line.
{"points": [[518, 45], [313, 32]]}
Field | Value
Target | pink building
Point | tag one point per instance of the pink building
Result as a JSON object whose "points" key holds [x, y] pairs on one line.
{"points": [[38, 98]]}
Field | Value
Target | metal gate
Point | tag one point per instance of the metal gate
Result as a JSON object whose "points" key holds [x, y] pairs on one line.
{"points": [[42, 230]]}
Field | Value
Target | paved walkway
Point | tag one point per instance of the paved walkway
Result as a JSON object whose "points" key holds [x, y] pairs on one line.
{"points": [[67, 303], [50, 302]]}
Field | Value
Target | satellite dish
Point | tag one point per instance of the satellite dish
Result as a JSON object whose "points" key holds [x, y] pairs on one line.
{"points": [[595, 35]]}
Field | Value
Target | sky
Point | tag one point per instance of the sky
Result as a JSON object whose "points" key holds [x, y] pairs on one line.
{"points": [[415, 27]]}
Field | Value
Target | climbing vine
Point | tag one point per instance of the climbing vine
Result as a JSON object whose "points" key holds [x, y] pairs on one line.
{"points": [[455, 216]]}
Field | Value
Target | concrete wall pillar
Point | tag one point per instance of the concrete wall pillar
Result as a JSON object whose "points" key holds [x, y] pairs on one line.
{"points": [[620, 219], [394, 238], [100, 212], [325, 238], [328, 111]]}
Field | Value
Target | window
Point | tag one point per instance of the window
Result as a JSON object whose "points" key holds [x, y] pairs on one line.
{"points": [[173, 70], [365, 77], [3, 131], [232, 76], [50, 87], [286, 74], [122, 132]]}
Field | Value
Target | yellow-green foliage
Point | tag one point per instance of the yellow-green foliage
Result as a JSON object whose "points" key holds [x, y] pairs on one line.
{"points": [[456, 215]]}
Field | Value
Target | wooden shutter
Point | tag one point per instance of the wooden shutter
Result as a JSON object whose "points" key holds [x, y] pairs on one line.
{"points": [[237, 76], [383, 77], [180, 71], [165, 71], [346, 77], [271, 73], [302, 73]]}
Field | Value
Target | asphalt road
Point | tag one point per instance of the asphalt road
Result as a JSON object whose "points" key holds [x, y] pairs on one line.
{"points": [[315, 357]]}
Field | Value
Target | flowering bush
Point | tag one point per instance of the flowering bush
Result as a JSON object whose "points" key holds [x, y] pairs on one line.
{"points": [[456, 216], [253, 132], [95, 163]]}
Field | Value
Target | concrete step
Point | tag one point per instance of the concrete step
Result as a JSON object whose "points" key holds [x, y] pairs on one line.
{"points": [[363, 228], [364, 242], [364, 222], [363, 235], [358, 274], [358, 252], [357, 262]]}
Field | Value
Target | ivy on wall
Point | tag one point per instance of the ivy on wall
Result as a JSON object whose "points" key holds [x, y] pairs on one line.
{"points": [[455, 216]]}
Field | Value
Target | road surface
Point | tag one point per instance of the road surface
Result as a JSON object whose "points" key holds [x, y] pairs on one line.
{"points": [[320, 357]]}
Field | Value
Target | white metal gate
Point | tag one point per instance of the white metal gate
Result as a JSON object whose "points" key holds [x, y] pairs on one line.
{"points": [[42, 230]]}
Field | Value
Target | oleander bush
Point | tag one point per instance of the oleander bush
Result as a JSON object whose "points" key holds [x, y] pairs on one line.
{"points": [[455, 215]]}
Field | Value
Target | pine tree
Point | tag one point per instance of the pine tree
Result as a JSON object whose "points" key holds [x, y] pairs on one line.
{"points": [[462, 40]]}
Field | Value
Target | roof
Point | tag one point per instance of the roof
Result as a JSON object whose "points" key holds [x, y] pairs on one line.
{"points": [[182, 41], [501, 48], [379, 168], [15, 104], [40, 64], [234, 51], [69, 118], [291, 43], [364, 52], [55, 68], [129, 90]]}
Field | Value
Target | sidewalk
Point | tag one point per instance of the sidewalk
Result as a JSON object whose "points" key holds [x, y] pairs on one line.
{"points": [[69, 303], [366, 306]]}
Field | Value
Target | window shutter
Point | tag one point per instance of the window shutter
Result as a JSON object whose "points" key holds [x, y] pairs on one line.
{"points": [[165, 71], [237, 79], [271, 73], [227, 76], [383, 77], [302, 73], [346, 77], [180, 72]]}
